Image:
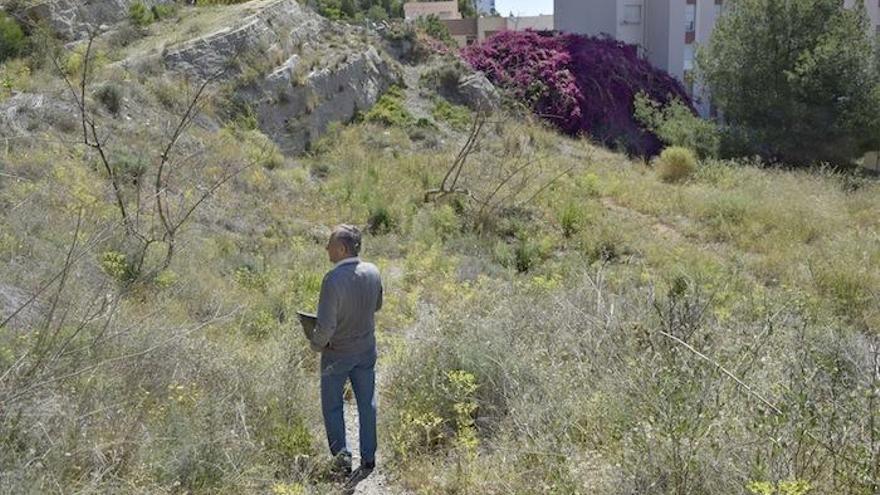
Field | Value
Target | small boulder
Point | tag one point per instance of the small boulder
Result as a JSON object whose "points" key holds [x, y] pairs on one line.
{"points": [[477, 92]]}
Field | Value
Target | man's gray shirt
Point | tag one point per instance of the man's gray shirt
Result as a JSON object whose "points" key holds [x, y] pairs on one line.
{"points": [[351, 293]]}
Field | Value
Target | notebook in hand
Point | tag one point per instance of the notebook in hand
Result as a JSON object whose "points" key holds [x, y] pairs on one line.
{"points": [[308, 322]]}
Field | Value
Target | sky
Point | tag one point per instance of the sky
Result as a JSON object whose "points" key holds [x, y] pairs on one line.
{"points": [[524, 7]]}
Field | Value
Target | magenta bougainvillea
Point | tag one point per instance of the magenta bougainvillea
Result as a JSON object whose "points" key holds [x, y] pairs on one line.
{"points": [[582, 84]]}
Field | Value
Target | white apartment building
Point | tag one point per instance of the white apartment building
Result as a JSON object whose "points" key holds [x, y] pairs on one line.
{"points": [[666, 31]]}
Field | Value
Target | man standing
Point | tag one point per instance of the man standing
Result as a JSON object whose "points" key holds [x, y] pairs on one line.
{"points": [[351, 293]]}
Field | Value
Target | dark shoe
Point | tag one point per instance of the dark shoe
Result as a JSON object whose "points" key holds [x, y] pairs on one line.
{"points": [[360, 474], [340, 468]]}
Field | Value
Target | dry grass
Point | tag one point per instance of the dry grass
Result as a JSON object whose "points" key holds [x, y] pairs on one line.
{"points": [[559, 306]]}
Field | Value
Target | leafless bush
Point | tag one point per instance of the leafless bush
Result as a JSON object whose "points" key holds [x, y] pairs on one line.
{"points": [[158, 195], [507, 172]]}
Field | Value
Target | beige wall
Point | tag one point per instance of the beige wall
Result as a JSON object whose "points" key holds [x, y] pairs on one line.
{"points": [[443, 10], [536, 22], [487, 26]]}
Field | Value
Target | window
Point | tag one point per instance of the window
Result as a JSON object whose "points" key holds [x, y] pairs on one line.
{"points": [[719, 9], [632, 14], [690, 18], [688, 57]]}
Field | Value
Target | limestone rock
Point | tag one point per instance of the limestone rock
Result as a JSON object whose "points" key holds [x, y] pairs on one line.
{"points": [[477, 92], [73, 19], [328, 73], [25, 113], [294, 113], [278, 25]]}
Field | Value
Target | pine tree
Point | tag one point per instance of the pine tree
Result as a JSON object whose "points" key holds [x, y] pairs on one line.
{"points": [[797, 81]]}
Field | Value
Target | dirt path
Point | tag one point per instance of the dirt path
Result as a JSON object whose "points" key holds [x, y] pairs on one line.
{"points": [[376, 483]]}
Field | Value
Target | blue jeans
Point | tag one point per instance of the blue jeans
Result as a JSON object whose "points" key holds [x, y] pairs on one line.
{"points": [[361, 370]]}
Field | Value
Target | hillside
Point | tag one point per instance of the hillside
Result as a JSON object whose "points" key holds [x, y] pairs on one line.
{"points": [[559, 321]]}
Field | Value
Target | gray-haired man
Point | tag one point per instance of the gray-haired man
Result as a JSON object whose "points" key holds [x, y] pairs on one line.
{"points": [[345, 336]]}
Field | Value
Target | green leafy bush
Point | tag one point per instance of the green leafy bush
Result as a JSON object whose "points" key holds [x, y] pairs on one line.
{"points": [[218, 2], [571, 219], [677, 125], [381, 220], [390, 110], [676, 163], [117, 266], [12, 38], [434, 27], [140, 15], [110, 96], [163, 11], [458, 117]]}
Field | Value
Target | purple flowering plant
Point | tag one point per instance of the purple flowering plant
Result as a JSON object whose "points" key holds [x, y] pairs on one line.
{"points": [[582, 84]]}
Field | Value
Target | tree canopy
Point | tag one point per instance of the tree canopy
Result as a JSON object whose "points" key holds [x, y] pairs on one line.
{"points": [[796, 81]]}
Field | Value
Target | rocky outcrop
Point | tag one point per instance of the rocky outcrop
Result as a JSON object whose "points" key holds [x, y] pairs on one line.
{"points": [[282, 26], [296, 112], [24, 114], [329, 73], [477, 92], [73, 19]]}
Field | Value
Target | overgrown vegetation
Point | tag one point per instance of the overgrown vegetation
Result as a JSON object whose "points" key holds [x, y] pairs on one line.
{"points": [[556, 319], [676, 124], [390, 110], [675, 164]]}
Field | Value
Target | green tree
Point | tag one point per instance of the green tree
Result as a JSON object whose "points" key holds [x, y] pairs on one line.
{"points": [[349, 8], [676, 125], [12, 39], [796, 80], [466, 8]]}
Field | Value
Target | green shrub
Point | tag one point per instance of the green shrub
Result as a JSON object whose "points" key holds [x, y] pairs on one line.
{"points": [[163, 11], [140, 15], [14, 75], [676, 163], [458, 117], [390, 110], [445, 221], [676, 125], [444, 78], [12, 39], [117, 266], [571, 219], [284, 430], [434, 27], [527, 254], [377, 13], [381, 220], [202, 3], [110, 97], [131, 167]]}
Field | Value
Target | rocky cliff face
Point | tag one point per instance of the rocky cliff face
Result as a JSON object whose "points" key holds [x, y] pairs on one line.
{"points": [[73, 19], [295, 113], [294, 70], [328, 74]]}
